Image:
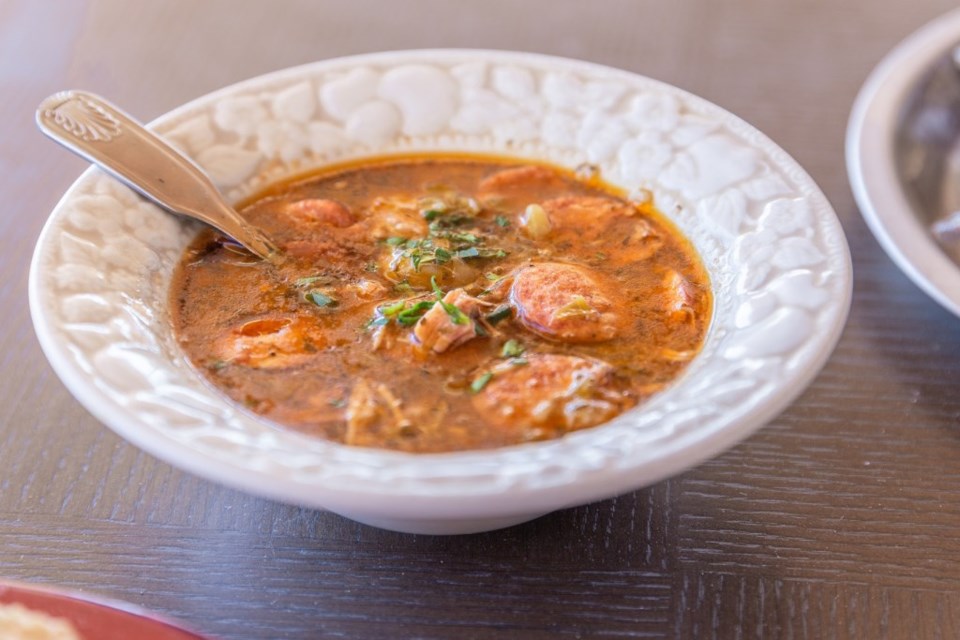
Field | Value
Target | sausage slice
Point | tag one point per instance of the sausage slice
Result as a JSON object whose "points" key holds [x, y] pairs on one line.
{"points": [[563, 302], [552, 392]]}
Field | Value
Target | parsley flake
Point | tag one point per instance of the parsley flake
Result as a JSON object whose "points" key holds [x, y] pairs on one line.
{"points": [[378, 321], [320, 299], [477, 385], [456, 316], [512, 349], [472, 252], [498, 314]]}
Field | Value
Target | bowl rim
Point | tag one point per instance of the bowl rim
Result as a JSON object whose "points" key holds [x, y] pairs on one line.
{"points": [[595, 484], [871, 165]]}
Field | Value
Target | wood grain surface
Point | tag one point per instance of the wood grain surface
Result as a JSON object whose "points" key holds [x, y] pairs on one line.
{"points": [[838, 520]]}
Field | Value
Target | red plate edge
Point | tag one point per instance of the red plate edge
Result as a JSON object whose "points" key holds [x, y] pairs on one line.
{"points": [[96, 618]]}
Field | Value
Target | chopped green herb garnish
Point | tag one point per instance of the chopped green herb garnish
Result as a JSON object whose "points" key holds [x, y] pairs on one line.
{"points": [[456, 316], [518, 362], [498, 314], [438, 225], [430, 214], [403, 287], [377, 321], [412, 314], [442, 255], [436, 288], [395, 241], [405, 313], [393, 309], [477, 385], [424, 251], [469, 238], [493, 277], [511, 349], [502, 222], [472, 252], [339, 403], [217, 365], [458, 237], [320, 299]]}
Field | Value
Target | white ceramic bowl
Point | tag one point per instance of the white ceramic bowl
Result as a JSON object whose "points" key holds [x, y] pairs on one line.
{"points": [[902, 229], [778, 261]]}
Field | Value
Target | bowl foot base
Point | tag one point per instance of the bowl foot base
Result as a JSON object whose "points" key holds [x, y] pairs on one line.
{"points": [[443, 527]]}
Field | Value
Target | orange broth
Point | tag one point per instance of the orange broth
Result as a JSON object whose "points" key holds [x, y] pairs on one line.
{"points": [[563, 304]]}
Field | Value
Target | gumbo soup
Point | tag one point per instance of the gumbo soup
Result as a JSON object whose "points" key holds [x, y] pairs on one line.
{"points": [[444, 303]]}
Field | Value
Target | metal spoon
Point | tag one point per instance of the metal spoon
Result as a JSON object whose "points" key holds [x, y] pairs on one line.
{"points": [[96, 130]]}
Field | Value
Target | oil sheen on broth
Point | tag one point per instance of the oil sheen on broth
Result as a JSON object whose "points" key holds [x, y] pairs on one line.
{"points": [[444, 303]]}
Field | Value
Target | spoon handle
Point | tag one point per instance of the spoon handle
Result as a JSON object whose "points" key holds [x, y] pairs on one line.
{"points": [[98, 131]]}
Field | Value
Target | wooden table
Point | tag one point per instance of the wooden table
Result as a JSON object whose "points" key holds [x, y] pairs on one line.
{"points": [[838, 520]]}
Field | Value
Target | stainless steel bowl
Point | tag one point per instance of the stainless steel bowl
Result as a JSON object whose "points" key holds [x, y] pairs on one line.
{"points": [[903, 157], [928, 150]]}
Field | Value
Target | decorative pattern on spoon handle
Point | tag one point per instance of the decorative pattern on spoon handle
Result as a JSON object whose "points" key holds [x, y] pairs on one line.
{"points": [[81, 116]]}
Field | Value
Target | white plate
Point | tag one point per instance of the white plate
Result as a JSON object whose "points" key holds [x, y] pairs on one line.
{"points": [[775, 252], [871, 160]]}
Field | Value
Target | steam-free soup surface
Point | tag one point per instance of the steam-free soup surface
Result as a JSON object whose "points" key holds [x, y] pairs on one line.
{"points": [[438, 304]]}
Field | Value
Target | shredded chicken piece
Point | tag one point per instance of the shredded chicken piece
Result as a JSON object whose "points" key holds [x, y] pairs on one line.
{"points": [[396, 216], [371, 411], [431, 422], [681, 296], [393, 406], [677, 356], [361, 410], [640, 230], [367, 289], [378, 336], [438, 330]]}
